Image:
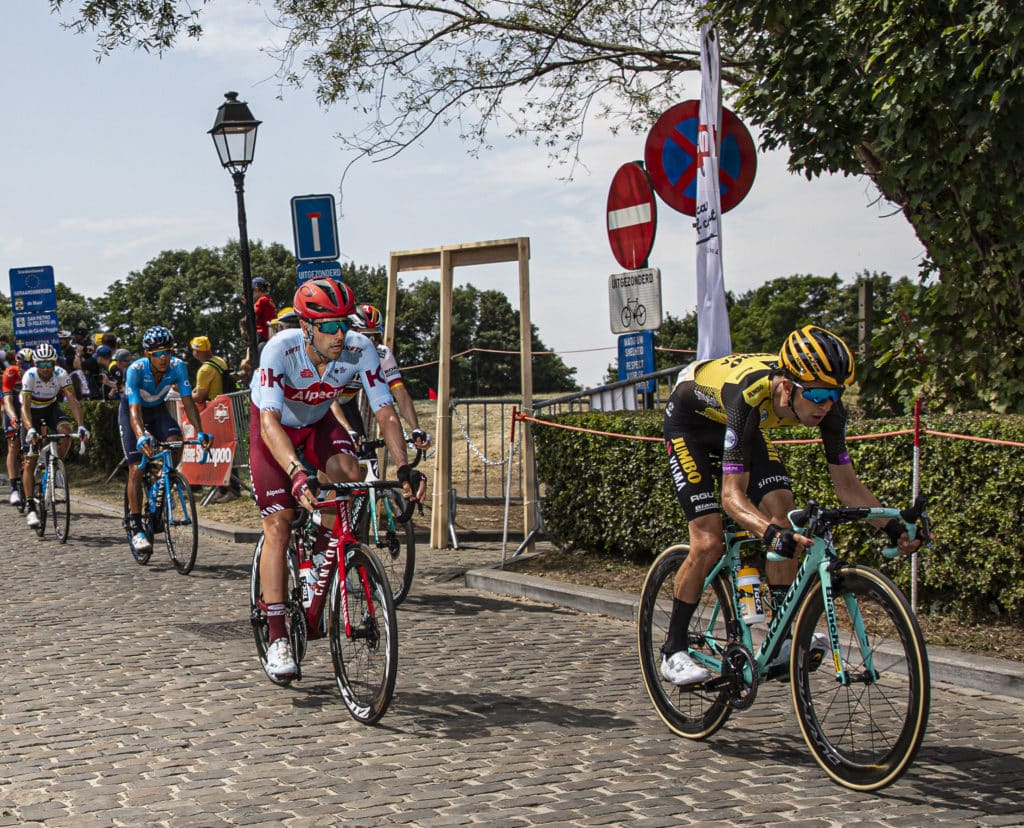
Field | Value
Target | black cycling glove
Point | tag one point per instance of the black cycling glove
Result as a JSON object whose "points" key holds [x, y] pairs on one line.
{"points": [[781, 541], [894, 529]]}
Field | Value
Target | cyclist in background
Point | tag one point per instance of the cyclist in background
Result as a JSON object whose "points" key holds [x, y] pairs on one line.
{"points": [[12, 418], [42, 387], [143, 416], [368, 322], [301, 372], [716, 428]]}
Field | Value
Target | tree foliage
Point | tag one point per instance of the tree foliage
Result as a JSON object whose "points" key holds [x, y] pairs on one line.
{"points": [[760, 320], [923, 96], [199, 292]]}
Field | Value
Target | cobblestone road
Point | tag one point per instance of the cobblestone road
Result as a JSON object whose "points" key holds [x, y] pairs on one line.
{"points": [[131, 696]]}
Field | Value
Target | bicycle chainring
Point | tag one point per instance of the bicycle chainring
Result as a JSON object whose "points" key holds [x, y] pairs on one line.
{"points": [[738, 663]]}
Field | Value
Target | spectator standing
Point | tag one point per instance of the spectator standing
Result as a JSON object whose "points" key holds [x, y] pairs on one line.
{"points": [[95, 369], [264, 308], [213, 379], [116, 371]]}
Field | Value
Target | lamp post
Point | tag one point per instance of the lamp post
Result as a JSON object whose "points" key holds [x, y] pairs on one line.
{"points": [[234, 136]]}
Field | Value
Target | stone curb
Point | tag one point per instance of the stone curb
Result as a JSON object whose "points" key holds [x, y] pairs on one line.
{"points": [[989, 675]]}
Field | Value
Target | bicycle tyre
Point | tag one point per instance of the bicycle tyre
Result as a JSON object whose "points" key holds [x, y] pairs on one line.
{"points": [[40, 500], [141, 558], [395, 544], [180, 523], [692, 711], [293, 609], [865, 734], [58, 499], [365, 661]]}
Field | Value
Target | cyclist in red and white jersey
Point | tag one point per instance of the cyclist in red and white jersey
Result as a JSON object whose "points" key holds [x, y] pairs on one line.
{"points": [[368, 322], [41, 390], [301, 372], [12, 418]]}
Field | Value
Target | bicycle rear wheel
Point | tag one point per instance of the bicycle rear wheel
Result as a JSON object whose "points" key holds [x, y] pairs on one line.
{"points": [[365, 654], [181, 526], [293, 605], [864, 734], [695, 711], [58, 499], [393, 542]]}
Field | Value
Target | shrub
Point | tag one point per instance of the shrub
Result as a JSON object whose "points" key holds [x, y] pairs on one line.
{"points": [[613, 496]]}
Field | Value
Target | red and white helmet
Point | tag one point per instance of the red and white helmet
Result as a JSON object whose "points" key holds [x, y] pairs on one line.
{"points": [[324, 299], [368, 318]]}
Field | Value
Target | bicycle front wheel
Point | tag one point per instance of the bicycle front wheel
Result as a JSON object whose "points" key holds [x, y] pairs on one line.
{"points": [[40, 501], [364, 636], [694, 711], [58, 499], [393, 542], [864, 734], [181, 527]]}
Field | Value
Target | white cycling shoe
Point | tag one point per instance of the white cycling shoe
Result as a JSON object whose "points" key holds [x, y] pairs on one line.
{"points": [[280, 663], [140, 543], [32, 518], [682, 670], [15, 497]]}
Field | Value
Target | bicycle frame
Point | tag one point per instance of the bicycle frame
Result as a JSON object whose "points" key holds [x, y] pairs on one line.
{"points": [[816, 565], [330, 563]]}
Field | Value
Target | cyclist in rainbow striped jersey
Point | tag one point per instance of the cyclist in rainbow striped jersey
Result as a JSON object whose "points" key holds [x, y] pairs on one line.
{"points": [[300, 374], [42, 388], [143, 417]]}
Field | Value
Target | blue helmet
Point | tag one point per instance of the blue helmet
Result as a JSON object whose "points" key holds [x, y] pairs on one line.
{"points": [[157, 337]]}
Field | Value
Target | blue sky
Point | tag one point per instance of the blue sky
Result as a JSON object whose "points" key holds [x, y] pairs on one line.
{"points": [[106, 164]]}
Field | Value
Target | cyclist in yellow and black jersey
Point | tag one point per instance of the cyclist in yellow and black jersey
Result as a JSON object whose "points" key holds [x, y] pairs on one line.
{"points": [[716, 428]]}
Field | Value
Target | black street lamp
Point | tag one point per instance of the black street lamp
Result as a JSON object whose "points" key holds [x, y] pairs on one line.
{"points": [[234, 135]]}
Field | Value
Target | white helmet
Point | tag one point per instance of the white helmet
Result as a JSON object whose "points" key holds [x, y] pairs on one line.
{"points": [[45, 352]]}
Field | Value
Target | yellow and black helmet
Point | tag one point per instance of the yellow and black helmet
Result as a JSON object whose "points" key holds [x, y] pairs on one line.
{"points": [[813, 354]]}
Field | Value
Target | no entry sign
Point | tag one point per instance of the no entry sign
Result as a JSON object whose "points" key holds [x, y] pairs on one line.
{"points": [[632, 216], [672, 158]]}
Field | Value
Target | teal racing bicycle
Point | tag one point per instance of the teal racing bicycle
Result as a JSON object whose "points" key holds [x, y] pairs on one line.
{"points": [[862, 703]]}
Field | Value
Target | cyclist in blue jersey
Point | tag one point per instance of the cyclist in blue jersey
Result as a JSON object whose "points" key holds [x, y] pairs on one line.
{"points": [[301, 372], [143, 416]]}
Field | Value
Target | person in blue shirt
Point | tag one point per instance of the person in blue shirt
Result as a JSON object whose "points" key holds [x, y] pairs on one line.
{"points": [[143, 416]]}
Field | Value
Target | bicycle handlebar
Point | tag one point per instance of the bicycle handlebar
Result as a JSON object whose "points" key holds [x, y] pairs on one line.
{"points": [[816, 522], [54, 438], [368, 447], [173, 445]]}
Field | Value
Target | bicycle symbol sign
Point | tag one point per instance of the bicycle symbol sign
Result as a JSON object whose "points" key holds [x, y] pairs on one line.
{"points": [[634, 300]]}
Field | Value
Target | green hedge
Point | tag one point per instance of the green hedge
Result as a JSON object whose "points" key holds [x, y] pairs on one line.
{"points": [[614, 497]]}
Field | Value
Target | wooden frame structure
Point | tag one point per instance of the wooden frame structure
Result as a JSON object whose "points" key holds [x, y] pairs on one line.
{"points": [[446, 259]]}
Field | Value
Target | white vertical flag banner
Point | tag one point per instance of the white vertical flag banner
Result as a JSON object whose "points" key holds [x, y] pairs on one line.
{"points": [[713, 337]]}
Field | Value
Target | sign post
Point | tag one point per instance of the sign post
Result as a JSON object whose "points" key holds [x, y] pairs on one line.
{"points": [[636, 358], [315, 228], [634, 300], [673, 158], [34, 306], [632, 216]]}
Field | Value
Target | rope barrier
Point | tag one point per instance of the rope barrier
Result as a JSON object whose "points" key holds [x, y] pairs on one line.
{"points": [[849, 437]]}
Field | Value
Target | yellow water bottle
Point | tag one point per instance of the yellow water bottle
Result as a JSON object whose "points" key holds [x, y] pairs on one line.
{"points": [[748, 582]]}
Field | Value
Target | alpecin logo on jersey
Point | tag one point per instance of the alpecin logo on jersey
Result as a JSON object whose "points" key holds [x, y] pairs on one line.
{"points": [[315, 394]]}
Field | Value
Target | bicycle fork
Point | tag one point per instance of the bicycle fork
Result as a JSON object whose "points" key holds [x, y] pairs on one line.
{"points": [[870, 674]]}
